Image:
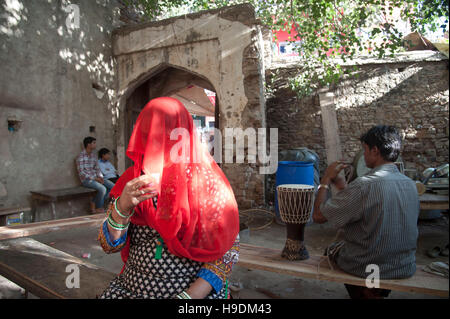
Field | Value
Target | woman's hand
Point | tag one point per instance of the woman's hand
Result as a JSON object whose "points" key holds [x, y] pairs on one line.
{"points": [[136, 191]]}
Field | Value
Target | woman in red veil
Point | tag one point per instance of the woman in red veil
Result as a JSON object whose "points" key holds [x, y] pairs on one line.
{"points": [[173, 215]]}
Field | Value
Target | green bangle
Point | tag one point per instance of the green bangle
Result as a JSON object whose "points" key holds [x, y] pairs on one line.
{"points": [[118, 211], [116, 225], [184, 295], [117, 228]]}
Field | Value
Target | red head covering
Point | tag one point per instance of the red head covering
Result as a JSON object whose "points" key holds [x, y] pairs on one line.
{"points": [[197, 214]]}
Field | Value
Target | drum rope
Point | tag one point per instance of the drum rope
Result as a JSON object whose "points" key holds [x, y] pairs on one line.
{"points": [[250, 218], [328, 251]]}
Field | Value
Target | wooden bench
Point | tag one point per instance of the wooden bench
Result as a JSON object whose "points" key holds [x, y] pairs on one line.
{"points": [[55, 195], [42, 270], [255, 257], [18, 258]]}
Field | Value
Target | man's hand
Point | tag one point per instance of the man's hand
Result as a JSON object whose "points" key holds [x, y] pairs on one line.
{"points": [[339, 182], [330, 176], [332, 172], [100, 180]]}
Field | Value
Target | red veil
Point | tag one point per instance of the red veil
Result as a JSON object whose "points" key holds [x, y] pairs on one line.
{"points": [[197, 214]]}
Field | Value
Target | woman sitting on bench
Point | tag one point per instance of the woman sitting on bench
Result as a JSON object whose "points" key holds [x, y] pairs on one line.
{"points": [[173, 215]]}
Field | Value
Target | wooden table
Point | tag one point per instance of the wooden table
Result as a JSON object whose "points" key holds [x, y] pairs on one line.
{"points": [[45, 271], [433, 201], [17, 231]]}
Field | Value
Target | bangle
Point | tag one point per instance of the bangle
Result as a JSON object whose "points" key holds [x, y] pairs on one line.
{"points": [[115, 225], [323, 186], [184, 295], [118, 211]]}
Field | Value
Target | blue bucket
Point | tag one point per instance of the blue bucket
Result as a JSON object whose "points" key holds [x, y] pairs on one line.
{"points": [[293, 172]]}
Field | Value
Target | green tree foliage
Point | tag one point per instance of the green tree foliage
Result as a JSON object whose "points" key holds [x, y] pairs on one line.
{"points": [[330, 31]]}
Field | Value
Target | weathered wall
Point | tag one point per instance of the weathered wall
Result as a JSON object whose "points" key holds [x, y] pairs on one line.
{"points": [[413, 96], [409, 92], [221, 46], [47, 71]]}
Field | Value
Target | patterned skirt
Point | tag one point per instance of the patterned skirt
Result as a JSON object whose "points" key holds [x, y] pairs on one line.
{"points": [[145, 277]]}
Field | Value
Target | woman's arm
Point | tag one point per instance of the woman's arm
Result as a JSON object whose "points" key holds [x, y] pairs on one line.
{"points": [[213, 275], [135, 191], [108, 245], [199, 289]]}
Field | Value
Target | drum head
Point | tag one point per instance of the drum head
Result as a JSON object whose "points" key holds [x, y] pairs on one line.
{"points": [[296, 186]]}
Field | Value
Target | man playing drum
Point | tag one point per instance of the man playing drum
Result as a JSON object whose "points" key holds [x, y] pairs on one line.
{"points": [[377, 213]]}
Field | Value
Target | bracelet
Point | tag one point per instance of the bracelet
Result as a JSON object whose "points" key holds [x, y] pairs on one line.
{"points": [[115, 225], [184, 295], [118, 211], [323, 186]]}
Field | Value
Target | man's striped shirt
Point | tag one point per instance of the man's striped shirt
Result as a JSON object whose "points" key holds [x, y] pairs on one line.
{"points": [[87, 166], [378, 213]]}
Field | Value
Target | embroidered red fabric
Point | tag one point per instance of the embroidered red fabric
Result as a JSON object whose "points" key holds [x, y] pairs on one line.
{"points": [[197, 214]]}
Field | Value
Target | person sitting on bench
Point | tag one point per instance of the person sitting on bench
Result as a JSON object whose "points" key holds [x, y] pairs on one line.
{"points": [[91, 176], [377, 213], [173, 215], [106, 167]]}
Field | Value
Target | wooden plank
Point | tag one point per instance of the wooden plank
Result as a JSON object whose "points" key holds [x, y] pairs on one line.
{"points": [[268, 259], [42, 270], [433, 205], [27, 283], [9, 232], [63, 193], [433, 201], [330, 130], [13, 210], [330, 126], [427, 197]]}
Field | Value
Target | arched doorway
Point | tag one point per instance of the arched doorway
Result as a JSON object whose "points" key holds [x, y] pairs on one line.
{"points": [[220, 50], [196, 93]]}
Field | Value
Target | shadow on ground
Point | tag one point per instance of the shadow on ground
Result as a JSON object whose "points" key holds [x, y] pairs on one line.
{"points": [[252, 284]]}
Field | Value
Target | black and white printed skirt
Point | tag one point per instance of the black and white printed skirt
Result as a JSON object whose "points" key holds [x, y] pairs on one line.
{"points": [[145, 277]]}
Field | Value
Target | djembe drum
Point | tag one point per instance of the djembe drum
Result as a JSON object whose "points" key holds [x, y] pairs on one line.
{"points": [[295, 202]]}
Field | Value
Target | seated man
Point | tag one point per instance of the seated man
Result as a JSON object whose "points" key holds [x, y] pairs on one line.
{"points": [[377, 213], [91, 176], [106, 167]]}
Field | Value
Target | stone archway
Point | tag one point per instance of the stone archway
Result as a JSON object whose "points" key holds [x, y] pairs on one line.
{"points": [[169, 81], [221, 49]]}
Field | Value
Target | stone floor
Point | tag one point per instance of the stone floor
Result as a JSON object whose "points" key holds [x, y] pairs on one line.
{"points": [[248, 283]]}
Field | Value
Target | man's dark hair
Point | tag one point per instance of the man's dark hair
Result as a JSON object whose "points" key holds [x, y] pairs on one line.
{"points": [[386, 139], [88, 140], [102, 152]]}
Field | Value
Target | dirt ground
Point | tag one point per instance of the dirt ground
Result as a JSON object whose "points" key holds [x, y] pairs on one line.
{"points": [[250, 284]]}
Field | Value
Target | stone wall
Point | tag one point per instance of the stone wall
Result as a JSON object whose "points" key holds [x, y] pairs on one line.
{"points": [[58, 79], [410, 92], [299, 122], [413, 96]]}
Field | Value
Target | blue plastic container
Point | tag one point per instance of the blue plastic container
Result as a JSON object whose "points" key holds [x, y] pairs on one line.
{"points": [[293, 172]]}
